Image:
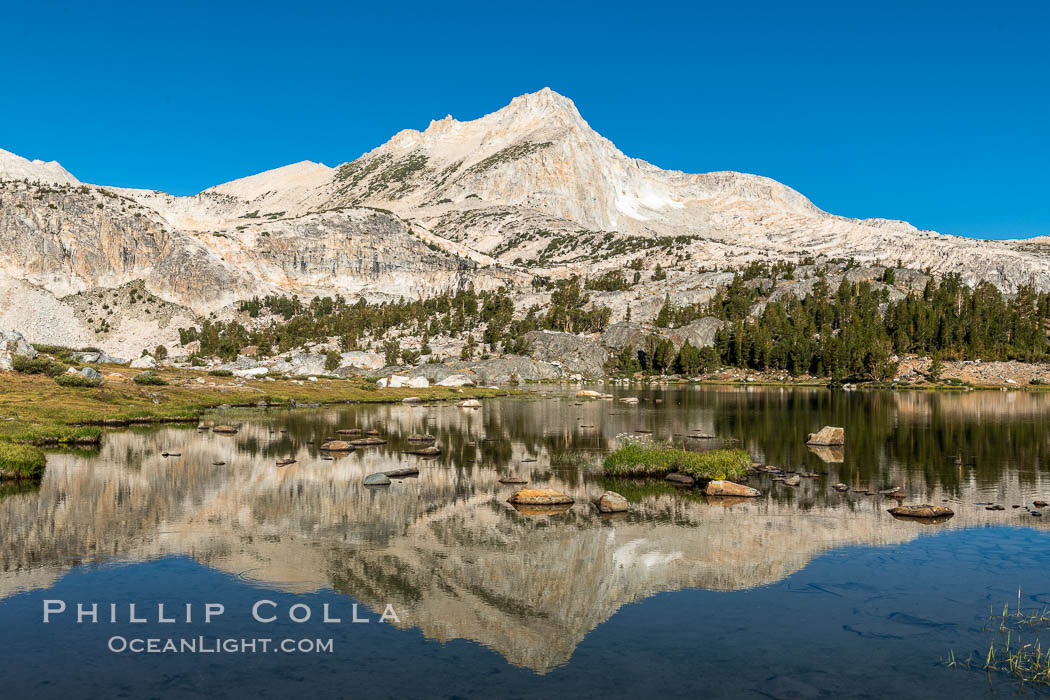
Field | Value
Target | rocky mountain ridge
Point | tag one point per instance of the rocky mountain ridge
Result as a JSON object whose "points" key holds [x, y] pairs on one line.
{"points": [[529, 191]]}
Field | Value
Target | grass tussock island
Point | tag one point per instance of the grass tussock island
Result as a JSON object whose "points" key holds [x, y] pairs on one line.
{"points": [[36, 410], [642, 459], [21, 461]]}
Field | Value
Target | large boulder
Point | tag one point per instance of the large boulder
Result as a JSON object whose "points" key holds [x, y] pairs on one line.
{"points": [[300, 364], [394, 381], [730, 488], [251, 372], [144, 362], [456, 380], [419, 382], [90, 373], [361, 360], [611, 502], [828, 435], [98, 357], [13, 343]]}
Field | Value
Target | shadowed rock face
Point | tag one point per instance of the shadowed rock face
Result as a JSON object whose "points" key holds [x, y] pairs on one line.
{"points": [[67, 239], [446, 548]]}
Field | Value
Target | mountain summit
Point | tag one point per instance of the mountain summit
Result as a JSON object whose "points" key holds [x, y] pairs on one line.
{"points": [[529, 191]]}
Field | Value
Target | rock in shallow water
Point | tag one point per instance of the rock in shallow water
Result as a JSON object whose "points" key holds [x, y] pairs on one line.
{"points": [[676, 478], [922, 511], [828, 435], [379, 479], [224, 430], [611, 502], [540, 497], [365, 442], [730, 488], [337, 446]]}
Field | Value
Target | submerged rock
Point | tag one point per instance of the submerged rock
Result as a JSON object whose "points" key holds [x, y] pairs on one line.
{"points": [[404, 471], [513, 480], [828, 435], [378, 479], [285, 462], [922, 511], [365, 442], [676, 478], [540, 497], [420, 437], [349, 431], [730, 488], [792, 480], [430, 451], [611, 502]]}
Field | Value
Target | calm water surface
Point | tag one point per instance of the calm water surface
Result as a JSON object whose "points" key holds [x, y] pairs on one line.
{"points": [[803, 593]]}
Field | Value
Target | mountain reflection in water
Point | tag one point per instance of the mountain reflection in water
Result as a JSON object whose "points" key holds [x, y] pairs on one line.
{"points": [[461, 563]]}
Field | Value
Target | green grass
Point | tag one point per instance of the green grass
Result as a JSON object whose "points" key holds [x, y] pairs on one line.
{"points": [[37, 365], [637, 458], [21, 461], [34, 409], [220, 373], [149, 379]]}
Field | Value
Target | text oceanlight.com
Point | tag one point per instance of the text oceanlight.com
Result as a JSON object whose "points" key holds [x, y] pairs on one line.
{"points": [[216, 645]]}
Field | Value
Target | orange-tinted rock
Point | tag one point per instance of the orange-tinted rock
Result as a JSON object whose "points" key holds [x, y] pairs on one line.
{"points": [[540, 497], [828, 435], [337, 446], [730, 488], [611, 502], [224, 429]]}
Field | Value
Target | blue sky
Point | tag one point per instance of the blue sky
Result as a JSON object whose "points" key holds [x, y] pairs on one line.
{"points": [[935, 113]]}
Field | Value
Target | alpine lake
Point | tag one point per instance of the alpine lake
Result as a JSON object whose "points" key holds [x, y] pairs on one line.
{"points": [[436, 586]]}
